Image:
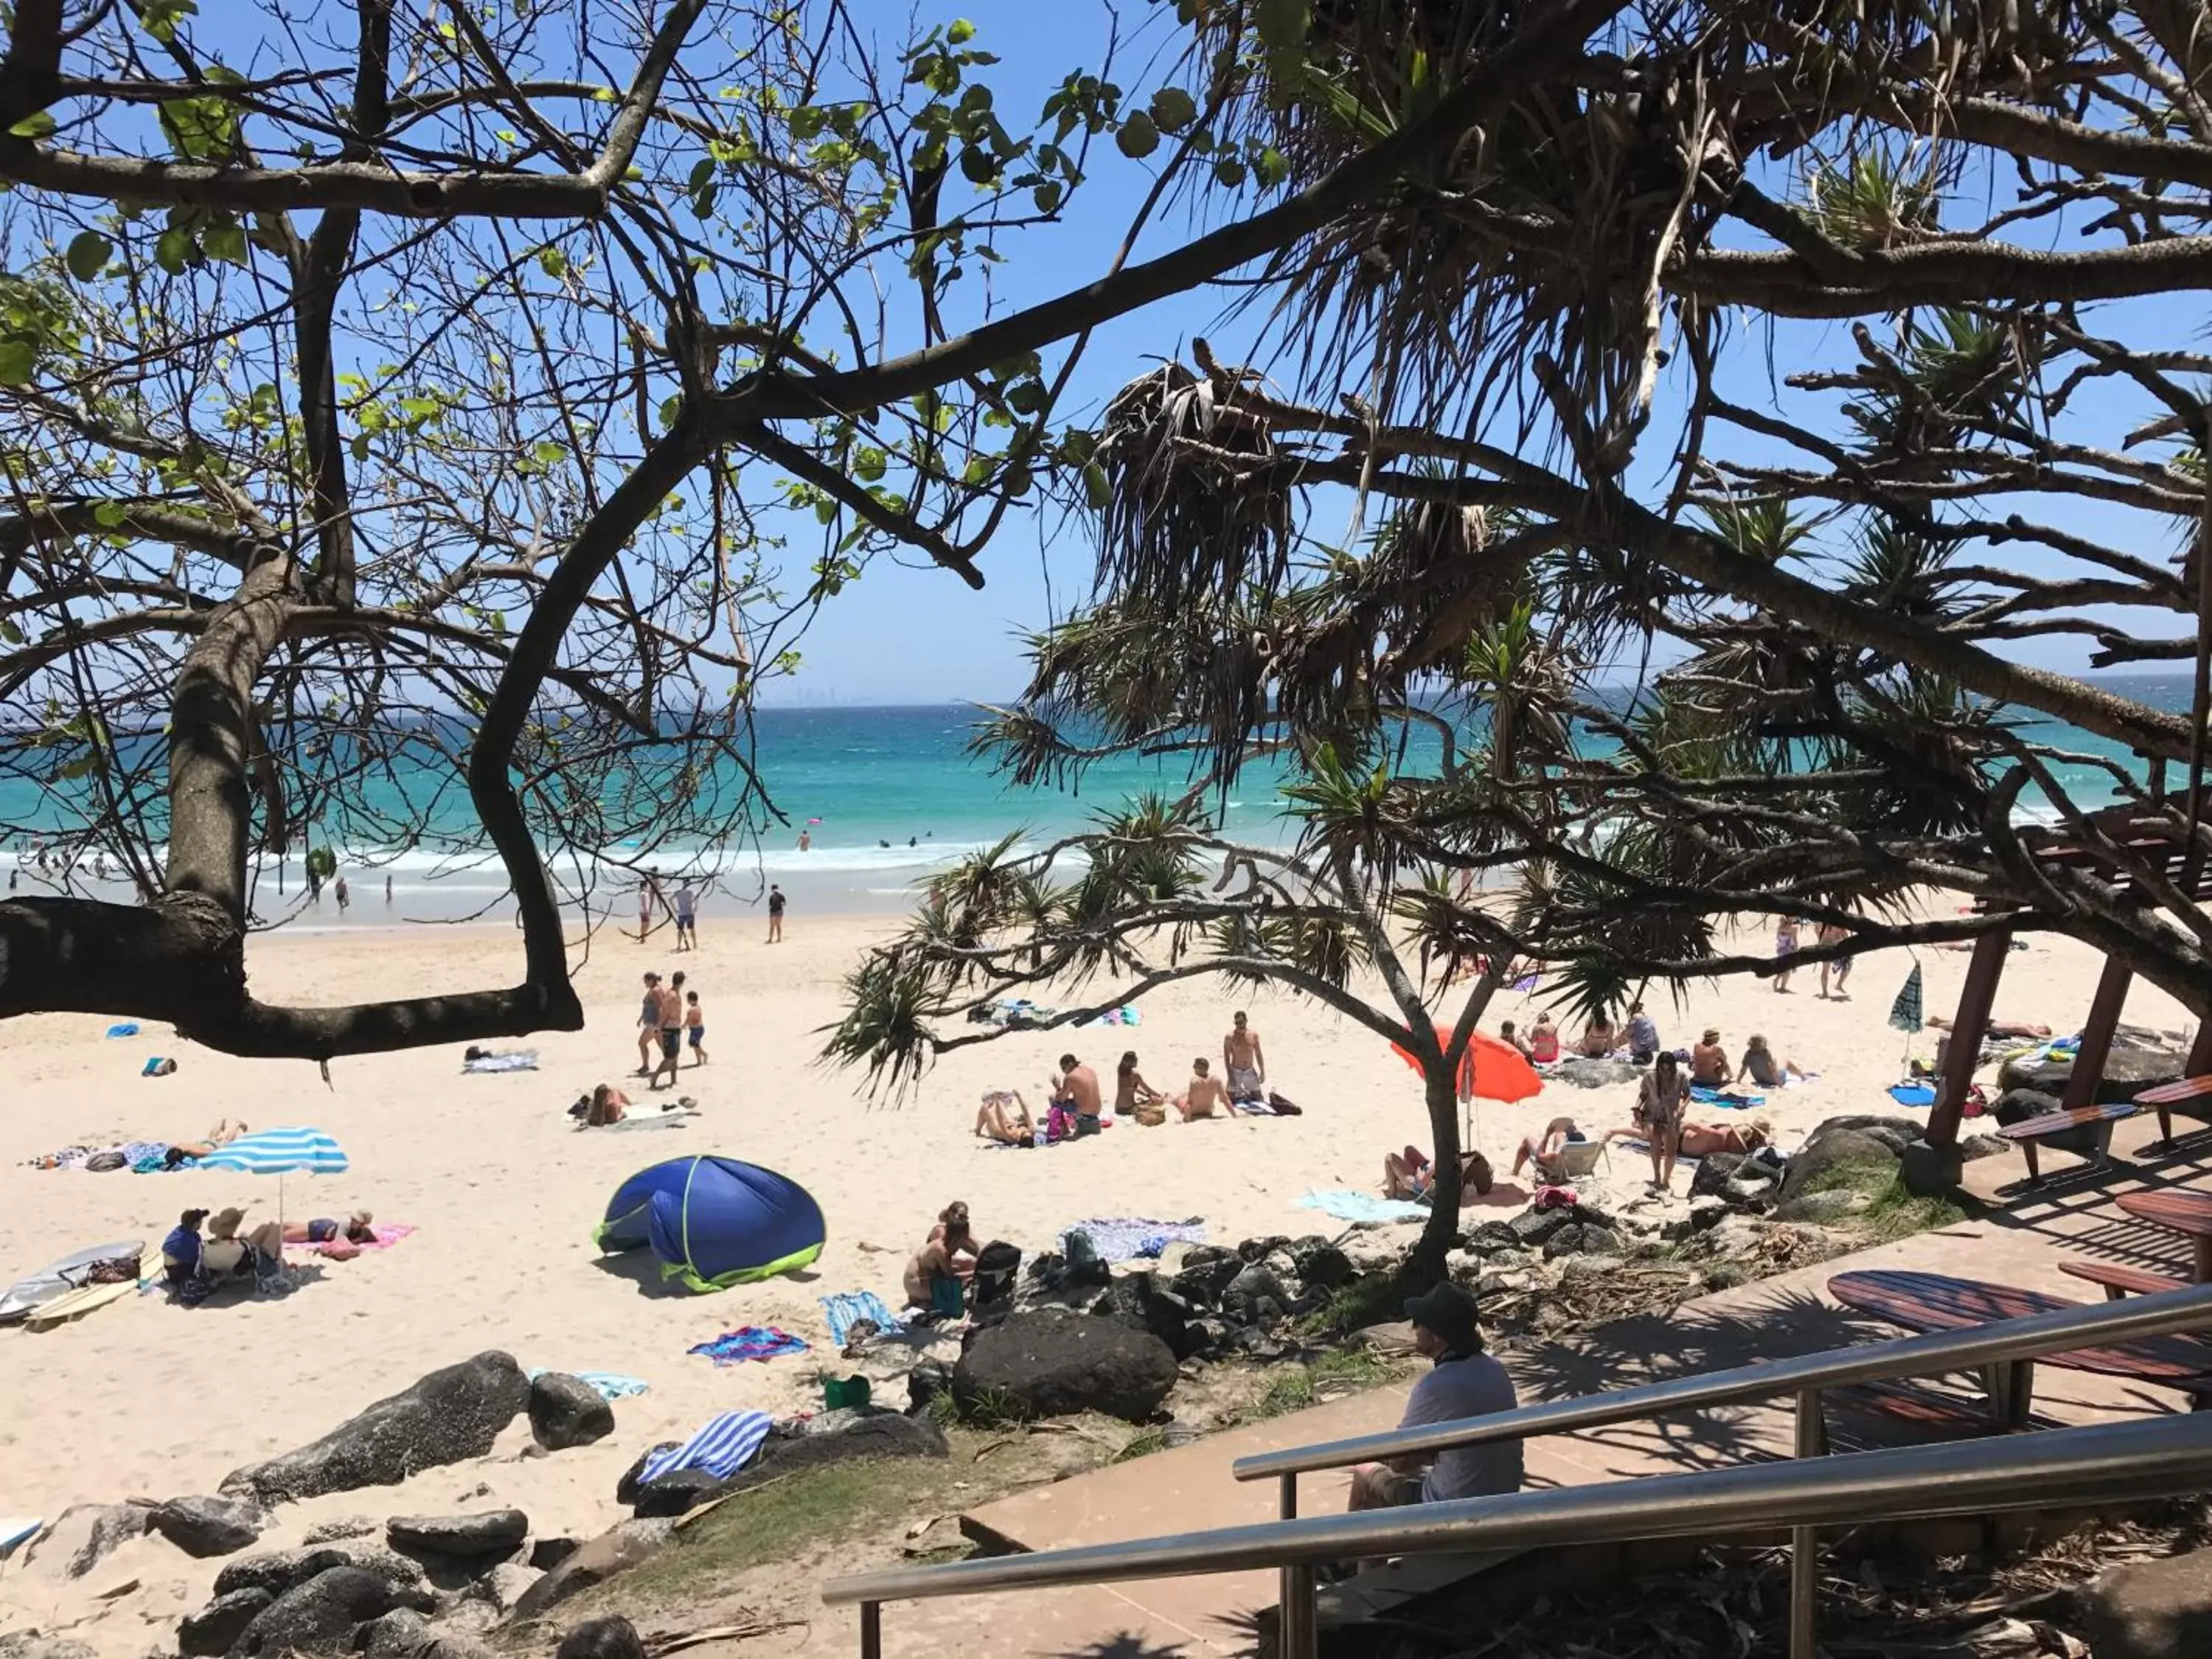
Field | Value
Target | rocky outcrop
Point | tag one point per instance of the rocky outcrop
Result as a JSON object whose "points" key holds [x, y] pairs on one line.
{"points": [[2152, 1609], [2136, 1063], [1834, 1143], [566, 1411], [452, 1414], [83, 1535], [1050, 1363], [221, 1622], [615, 1551], [210, 1526], [489, 1533], [322, 1614], [278, 1570]]}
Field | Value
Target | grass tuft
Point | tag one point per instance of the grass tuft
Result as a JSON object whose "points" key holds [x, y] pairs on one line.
{"points": [[1893, 1211], [1296, 1387]]}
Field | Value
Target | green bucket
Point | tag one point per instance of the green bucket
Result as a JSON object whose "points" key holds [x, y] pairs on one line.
{"points": [[838, 1392]]}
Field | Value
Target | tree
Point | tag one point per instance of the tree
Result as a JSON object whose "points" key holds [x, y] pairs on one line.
{"points": [[404, 406]]}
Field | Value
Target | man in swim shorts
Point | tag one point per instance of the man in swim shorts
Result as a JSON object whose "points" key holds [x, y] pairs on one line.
{"points": [[1242, 1057]]}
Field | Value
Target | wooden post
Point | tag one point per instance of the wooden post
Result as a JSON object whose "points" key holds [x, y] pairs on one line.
{"points": [[2200, 1051], [1976, 998], [2097, 1033]]}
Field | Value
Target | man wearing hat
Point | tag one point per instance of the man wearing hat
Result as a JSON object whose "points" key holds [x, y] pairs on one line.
{"points": [[1464, 1381]]}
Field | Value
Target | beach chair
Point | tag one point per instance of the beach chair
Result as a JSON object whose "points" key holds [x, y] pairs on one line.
{"points": [[1576, 1160]]}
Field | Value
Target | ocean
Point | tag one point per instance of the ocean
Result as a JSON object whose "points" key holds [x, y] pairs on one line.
{"points": [[884, 795]]}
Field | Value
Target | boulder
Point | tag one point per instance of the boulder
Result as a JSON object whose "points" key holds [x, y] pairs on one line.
{"points": [[1050, 1363], [1255, 1284], [548, 1554], [1975, 1147], [32, 1644], [504, 1585], [1489, 1236], [928, 1379], [1595, 1073], [1139, 1300], [1583, 1239], [452, 1414], [566, 1411], [1533, 1229], [346, 1525], [678, 1492], [221, 1622], [319, 1616], [277, 1570], [1320, 1265], [2018, 1105], [602, 1638], [82, 1535], [488, 1532], [633, 1478], [210, 1526], [2136, 1063], [2151, 1609], [1703, 1214], [1747, 1194], [1205, 1273], [1894, 1132], [1715, 1170], [401, 1634], [1824, 1209], [1829, 1147], [615, 1551], [1258, 1249], [863, 1434]]}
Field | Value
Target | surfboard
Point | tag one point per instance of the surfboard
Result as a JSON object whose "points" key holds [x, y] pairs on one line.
{"points": [[77, 1304]]}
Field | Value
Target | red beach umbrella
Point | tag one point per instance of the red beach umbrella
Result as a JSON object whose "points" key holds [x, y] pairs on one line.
{"points": [[1491, 1068]]}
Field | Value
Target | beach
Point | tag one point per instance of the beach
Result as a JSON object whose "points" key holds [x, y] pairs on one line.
{"points": [[146, 1399]]}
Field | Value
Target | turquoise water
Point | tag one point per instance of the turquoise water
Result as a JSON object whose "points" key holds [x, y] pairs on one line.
{"points": [[895, 791]]}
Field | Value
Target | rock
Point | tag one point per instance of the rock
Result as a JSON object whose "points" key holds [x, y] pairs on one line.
{"points": [[1489, 1236], [1894, 1132], [346, 1525], [319, 1616], [615, 1551], [1509, 1259], [1829, 1147], [2151, 1609], [1748, 1195], [602, 1638], [452, 1414], [1975, 1147], [1258, 1249], [928, 1379], [82, 1535], [504, 1585], [1595, 1073], [1822, 1208], [1591, 1264], [1503, 1281], [2136, 1063], [548, 1554], [401, 1634], [678, 1492], [277, 1570], [31, 1644], [1703, 1214], [1137, 1301], [1208, 1271], [221, 1622], [633, 1478], [566, 1411], [1255, 1283], [2018, 1105], [210, 1526], [1583, 1239], [1049, 1363], [872, 1434], [1320, 1265], [490, 1532], [1715, 1169], [1533, 1229]]}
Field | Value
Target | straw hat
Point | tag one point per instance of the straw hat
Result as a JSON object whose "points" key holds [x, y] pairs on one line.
{"points": [[225, 1222], [359, 1218]]}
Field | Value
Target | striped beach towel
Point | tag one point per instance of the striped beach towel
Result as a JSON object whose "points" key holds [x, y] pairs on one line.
{"points": [[848, 1308], [725, 1445]]}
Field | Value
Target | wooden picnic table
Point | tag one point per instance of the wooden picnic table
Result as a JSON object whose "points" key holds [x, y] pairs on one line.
{"points": [[1921, 1302], [2178, 1209]]}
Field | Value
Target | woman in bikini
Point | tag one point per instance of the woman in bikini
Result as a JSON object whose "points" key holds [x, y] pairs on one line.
{"points": [[1130, 1089], [1004, 1117], [1543, 1041]]}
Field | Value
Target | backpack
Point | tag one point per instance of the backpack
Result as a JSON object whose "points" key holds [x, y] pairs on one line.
{"points": [[997, 1265]]}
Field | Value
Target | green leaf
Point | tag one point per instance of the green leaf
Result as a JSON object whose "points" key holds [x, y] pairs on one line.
{"points": [[978, 165], [1283, 23], [17, 360], [174, 250], [1230, 172], [37, 125], [87, 256], [1271, 166], [225, 242], [552, 261], [160, 18], [109, 514], [868, 464], [200, 128], [1095, 487], [1138, 137], [961, 32], [1047, 195], [1173, 109]]}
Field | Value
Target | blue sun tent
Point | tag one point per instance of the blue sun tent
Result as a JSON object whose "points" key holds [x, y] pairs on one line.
{"points": [[715, 1222]]}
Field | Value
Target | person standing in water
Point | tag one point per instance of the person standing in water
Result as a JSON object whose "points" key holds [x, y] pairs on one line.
{"points": [[344, 897]]}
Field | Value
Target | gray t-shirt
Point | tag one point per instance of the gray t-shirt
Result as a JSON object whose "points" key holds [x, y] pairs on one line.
{"points": [[1473, 1386]]}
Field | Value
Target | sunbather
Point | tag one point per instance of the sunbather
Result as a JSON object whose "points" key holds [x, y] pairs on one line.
{"points": [[1763, 1067], [2000, 1028], [1596, 1040], [946, 1258], [1004, 1117], [1703, 1139], [355, 1229], [608, 1105], [1709, 1065], [1130, 1089], [220, 1136], [225, 1254], [1544, 1151], [1203, 1096], [1409, 1176], [1543, 1041]]}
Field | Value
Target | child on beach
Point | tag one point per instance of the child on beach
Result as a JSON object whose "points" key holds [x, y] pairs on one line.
{"points": [[695, 1024]]}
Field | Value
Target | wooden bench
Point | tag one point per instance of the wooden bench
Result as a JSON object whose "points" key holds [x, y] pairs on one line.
{"points": [[2190, 1096], [1925, 1410], [2120, 1281], [2181, 1210], [2087, 1130]]}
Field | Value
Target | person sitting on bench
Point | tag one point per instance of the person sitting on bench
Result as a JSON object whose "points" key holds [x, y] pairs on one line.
{"points": [[1463, 1381]]}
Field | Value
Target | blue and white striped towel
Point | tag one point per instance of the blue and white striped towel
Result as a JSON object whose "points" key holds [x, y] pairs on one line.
{"points": [[848, 1308], [721, 1449]]}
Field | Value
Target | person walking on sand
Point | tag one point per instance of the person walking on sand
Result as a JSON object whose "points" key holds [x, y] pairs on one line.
{"points": [[668, 1003], [1244, 1060], [695, 1025], [344, 896], [1834, 973], [1202, 1094], [1785, 946], [687, 917], [1660, 1101], [644, 909], [775, 914], [648, 1024]]}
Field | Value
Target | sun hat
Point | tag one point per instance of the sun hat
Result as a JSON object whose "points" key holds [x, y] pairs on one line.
{"points": [[359, 1218], [225, 1222], [1451, 1312]]}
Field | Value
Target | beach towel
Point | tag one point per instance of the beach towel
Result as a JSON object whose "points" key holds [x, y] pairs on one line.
{"points": [[14, 1529], [609, 1385], [158, 1066], [761, 1342], [523, 1060], [1728, 1099], [126, 1028], [848, 1308], [1912, 1094], [1364, 1208], [1124, 1238], [725, 1445]]}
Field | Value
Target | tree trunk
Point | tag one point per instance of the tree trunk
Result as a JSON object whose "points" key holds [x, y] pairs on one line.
{"points": [[1427, 1265]]}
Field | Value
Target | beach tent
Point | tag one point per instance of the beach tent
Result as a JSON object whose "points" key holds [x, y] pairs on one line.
{"points": [[714, 1222]]}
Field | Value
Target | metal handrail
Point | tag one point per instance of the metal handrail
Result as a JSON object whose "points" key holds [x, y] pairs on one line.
{"points": [[2001, 1342], [2060, 1468], [2154, 1458]]}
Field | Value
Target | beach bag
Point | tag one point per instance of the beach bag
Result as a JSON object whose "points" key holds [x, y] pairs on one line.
{"points": [[946, 1298], [115, 1270], [997, 1266], [1284, 1106], [100, 1162], [840, 1392]]}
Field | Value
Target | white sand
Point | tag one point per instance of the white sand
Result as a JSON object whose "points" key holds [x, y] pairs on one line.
{"points": [[148, 1399]]}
